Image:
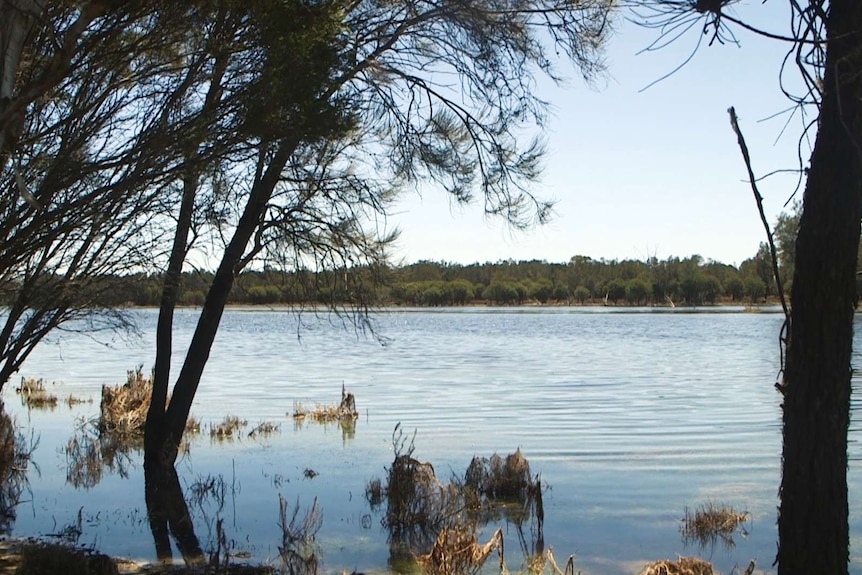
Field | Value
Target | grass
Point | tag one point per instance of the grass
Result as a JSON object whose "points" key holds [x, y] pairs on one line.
{"points": [[345, 410], [264, 429], [34, 395], [123, 410], [457, 550], [436, 524], [711, 522], [682, 566], [228, 429]]}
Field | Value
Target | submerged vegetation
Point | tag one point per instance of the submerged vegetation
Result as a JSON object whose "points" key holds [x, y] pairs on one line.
{"points": [[436, 524], [34, 395], [712, 522]]}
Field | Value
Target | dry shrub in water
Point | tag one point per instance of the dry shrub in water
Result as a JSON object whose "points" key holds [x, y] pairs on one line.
{"points": [[344, 411], [711, 522], [500, 479], [265, 428], [458, 551], [227, 429], [123, 411], [34, 395], [682, 566]]}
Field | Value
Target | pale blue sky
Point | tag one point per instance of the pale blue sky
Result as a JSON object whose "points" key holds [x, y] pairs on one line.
{"points": [[646, 173]]}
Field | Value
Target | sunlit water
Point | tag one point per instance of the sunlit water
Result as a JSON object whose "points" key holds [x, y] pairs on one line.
{"points": [[628, 417]]}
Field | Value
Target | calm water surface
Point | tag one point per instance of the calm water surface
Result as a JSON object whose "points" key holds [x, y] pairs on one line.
{"points": [[629, 417]]}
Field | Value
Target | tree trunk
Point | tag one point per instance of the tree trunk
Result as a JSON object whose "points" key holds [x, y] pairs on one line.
{"points": [[155, 425], [174, 421], [813, 522]]}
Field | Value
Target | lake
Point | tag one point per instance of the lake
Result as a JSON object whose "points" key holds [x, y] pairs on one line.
{"points": [[631, 416]]}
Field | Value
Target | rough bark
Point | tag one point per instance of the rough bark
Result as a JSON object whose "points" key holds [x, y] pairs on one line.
{"points": [[813, 522]]}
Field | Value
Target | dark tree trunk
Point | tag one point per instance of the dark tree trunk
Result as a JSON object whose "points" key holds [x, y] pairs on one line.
{"points": [[155, 425], [172, 425], [813, 523]]}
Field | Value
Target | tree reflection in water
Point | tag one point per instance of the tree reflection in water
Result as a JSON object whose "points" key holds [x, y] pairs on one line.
{"points": [[15, 459], [168, 514]]}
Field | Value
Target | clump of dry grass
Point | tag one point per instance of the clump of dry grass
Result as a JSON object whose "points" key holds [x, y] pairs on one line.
{"points": [[711, 522], [228, 428], [436, 524], [264, 429], [123, 410], [502, 479], [682, 566], [346, 410], [457, 550], [34, 395], [74, 400], [193, 425]]}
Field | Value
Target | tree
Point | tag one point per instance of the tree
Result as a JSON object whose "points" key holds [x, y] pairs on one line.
{"points": [[825, 44], [337, 86], [85, 157], [813, 516]]}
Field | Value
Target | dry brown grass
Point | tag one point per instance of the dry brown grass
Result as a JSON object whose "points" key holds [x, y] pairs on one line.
{"points": [[682, 566], [711, 522], [123, 410], [264, 429], [345, 410], [34, 395], [457, 550], [228, 429], [74, 400]]}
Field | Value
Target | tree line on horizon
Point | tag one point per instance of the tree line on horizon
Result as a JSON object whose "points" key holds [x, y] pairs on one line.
{"points": [[690, 281]]}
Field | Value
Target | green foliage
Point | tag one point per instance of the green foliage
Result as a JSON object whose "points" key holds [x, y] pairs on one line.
{"points": [[582, 294], [755, 289], [615, 290], [637, 291], [501, 292]]}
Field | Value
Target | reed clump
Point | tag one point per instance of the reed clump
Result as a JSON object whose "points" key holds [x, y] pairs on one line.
{"points": [[435, 524], [264, 429], [712, 522], [682, 566], [34, 395], [344, 411], [457, 550], [228, 429], [123, 410]]}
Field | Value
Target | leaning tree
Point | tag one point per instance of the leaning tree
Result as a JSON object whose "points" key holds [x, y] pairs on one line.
{"points": [[344, 104]]}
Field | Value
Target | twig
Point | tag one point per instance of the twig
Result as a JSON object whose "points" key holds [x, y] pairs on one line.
{"points": [[745, 156], [785, 328]]}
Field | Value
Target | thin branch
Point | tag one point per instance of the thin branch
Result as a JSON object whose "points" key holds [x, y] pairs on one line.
{"points": [[759, 199]]}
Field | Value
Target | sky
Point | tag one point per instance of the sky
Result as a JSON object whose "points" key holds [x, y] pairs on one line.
{"points": [[637, 172]]}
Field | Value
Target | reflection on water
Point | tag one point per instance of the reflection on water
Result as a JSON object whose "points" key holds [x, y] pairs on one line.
{"points": [[15, 455], [629, 419]]}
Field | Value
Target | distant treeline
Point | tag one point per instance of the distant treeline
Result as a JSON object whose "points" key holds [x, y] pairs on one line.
{"points": [[584, 281]]}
